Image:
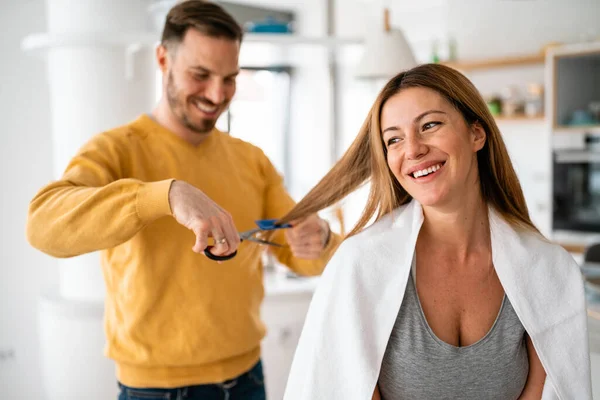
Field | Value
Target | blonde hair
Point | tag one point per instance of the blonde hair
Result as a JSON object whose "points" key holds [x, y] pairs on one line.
{"points": [[365, 159]]}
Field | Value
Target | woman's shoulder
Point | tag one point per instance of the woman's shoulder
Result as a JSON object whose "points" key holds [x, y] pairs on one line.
{"points": [[396, 217], [371, 237], [528, 248], [539, 243]]}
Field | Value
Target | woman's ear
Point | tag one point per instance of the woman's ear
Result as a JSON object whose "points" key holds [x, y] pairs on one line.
{"points": [[478, 136]]}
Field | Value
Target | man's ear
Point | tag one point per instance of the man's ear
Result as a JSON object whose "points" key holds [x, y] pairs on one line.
{"points": [[478, 136], [162, 58]]}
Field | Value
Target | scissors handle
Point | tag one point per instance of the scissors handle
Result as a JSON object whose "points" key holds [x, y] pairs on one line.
{"points": [[215, 257]]}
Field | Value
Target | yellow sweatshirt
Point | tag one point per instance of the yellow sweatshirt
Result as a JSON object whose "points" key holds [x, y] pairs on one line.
{"points": [[172, 317]]}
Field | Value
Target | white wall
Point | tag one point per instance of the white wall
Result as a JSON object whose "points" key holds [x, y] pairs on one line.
{"points": [[25, 165], [484, 28]]}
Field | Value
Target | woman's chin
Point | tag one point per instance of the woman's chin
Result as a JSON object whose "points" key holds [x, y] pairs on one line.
{"points": [[430, 199]]}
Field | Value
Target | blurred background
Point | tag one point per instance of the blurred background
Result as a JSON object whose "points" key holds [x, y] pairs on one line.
{"points": [[310, 71]]}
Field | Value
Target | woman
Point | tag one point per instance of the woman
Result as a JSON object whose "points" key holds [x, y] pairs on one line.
{"points": [[451, 292]]}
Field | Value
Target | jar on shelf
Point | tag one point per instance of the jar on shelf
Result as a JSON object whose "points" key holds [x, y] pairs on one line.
{"points": [[512, 101], [534, 102], [494, 104]]}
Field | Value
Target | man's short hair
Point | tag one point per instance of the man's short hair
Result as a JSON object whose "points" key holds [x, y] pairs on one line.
{"points": [[205, 16]]}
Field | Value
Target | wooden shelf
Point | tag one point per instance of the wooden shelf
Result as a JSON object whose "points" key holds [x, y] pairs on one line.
{"points": [[595, 128], [518, 118], [515, 61], [573, 248]]}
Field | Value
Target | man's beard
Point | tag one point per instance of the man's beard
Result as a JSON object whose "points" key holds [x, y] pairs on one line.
{"points": [[178, 107]]}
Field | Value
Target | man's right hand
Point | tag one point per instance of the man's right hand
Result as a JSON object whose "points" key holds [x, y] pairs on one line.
{"points": [[197, 212]]}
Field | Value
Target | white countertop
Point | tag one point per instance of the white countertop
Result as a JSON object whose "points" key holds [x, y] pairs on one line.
{"points": [[278, 283], [594, 325], [575, 238]]}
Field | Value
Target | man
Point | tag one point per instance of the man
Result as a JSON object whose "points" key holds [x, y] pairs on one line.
{"points": [[149, 195]]}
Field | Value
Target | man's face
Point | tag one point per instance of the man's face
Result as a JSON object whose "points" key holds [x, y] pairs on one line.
{"points": [[199, 78]]}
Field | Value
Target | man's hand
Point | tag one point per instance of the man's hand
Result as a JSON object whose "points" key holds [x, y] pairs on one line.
{"points": [[197, 212], [307, 237]]}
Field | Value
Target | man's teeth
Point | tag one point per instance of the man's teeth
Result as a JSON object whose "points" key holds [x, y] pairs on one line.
{"points": [[206, 109], [427, 171]]}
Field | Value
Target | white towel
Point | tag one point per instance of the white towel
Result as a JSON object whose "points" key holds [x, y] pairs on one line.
{"points": [[356, 304]]}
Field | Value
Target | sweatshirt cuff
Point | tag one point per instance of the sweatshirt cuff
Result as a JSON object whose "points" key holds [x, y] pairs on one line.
{"points": [[153, 200]]}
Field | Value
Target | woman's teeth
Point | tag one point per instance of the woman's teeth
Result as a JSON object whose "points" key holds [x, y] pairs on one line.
{"points": [[427, 171]]}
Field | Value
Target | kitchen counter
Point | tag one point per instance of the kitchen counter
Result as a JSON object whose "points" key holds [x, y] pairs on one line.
{"points": [[575, 242], [593, 304], [279, 283], [594, 326]]}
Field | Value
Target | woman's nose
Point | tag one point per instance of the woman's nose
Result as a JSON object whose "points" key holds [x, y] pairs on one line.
{"points": [[414, 147]]}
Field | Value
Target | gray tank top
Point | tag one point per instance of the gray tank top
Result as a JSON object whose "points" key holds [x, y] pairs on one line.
{"points": [[419, 365]]}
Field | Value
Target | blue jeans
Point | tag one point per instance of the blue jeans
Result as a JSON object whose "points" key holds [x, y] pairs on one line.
{"points": [[248, 386]]}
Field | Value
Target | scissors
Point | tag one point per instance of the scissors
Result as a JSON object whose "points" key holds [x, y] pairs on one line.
{"points": [[263, 225]]}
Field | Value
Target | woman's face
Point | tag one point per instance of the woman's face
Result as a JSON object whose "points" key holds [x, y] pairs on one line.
{"points": [[431, 150]]}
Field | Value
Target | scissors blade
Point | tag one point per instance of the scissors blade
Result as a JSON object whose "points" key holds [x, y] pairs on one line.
{"points": [[249, 234], [265, 242]]}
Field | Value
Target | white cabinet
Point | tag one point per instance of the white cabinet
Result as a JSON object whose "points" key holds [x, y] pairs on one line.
{"points": [[594, 332], [283, 311], [574, 82]]}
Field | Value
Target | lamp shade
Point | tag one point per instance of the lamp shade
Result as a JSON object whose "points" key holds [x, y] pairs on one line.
{"points": [[386, 54]]}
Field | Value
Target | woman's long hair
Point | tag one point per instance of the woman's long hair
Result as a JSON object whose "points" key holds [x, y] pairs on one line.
{"points": [[366, 158]]}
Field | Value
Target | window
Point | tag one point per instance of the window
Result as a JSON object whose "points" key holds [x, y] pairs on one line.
{"points": [[259, 112]]}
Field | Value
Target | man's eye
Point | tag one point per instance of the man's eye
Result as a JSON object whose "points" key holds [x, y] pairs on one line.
{"points": [[201, 77], [430, 125]]}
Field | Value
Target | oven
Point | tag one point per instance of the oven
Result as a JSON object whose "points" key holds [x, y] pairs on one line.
{"points": [[576, 188]]}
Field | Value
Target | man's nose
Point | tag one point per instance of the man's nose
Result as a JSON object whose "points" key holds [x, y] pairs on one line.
{"points": [[215, 92]]}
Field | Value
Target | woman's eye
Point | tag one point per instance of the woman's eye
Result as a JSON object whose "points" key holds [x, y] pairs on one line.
{"points": [[393, 140], [430, 125]]}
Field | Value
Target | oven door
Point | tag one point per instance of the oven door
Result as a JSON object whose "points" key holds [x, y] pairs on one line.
{"points": [[576, 191]]}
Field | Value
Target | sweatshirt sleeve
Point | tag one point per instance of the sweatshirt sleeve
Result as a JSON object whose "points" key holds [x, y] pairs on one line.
{"points": [[94, 206], [277, 203]]}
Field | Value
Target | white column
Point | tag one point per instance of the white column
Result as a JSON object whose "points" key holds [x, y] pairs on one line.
{"points": [[94, 87], [101, 75]]}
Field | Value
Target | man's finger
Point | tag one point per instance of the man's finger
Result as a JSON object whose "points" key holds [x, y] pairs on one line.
{"points": [[221, 245], [201, 233], [230, 231], [312, 241], [306, 254]]}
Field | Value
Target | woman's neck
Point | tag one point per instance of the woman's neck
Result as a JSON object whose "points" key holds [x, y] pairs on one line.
{"points": [[459, 230]]}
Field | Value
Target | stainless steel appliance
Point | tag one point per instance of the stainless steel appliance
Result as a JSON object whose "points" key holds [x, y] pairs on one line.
{"points": [[576, 187]]}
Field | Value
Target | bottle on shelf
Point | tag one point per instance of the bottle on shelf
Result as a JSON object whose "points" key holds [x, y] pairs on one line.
{"points": [[452, 49], [435, 52], [534, 101]]}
